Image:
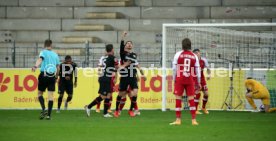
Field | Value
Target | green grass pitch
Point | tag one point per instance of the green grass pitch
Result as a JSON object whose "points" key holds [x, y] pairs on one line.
{"points": [[152, 125]]}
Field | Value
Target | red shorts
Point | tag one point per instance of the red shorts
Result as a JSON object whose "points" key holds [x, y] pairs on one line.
{"points": [[180, 87], [203, 85], [112, 85]]}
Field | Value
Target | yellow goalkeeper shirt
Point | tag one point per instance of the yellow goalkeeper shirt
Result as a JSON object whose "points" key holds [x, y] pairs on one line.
{"points": [[258, 90]]}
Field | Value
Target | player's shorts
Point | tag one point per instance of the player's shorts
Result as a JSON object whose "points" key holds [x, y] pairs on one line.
{"points": [[126, 82], [180, 87], [105, 86], [263, 95], [46, 82], [65, 86], [203, 85]]}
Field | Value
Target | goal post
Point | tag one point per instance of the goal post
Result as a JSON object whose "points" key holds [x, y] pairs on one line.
{"points": [[233, 41]]}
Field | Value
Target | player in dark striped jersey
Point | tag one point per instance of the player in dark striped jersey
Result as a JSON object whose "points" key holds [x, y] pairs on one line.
{"points": [[128, 75], [113, 82], [110, 66], [65, 81]]}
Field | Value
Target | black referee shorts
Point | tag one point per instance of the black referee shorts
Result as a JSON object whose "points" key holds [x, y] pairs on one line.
{"points": [[46, 82]]}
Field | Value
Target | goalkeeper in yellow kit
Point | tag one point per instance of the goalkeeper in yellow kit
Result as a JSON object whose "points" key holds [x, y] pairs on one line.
{"points": [[256, 90]]}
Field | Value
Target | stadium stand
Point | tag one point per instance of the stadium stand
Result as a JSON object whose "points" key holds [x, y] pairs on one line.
{"points": [[25, 24]]}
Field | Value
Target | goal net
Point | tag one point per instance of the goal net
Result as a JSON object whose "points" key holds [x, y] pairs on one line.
{"points": [[247, 49]]}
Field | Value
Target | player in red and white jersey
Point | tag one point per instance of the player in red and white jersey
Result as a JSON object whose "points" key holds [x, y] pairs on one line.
{"points": [[184, 64], [203, 64]]}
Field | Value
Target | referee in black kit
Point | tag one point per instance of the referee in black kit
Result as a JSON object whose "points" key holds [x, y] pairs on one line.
{"points": [[49, 69]]}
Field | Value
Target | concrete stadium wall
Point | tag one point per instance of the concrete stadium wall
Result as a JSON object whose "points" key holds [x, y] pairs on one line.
{"points": [[140, 36], [186, 2], [104, 36], [241, 21], [243, 12], [2, 12], [9, 2], [155, 24], [141, 2], [248, 2], [140, 30], [117, 24], [30, 36], [128, 12], [51, 2], [39, 12], [30, 24], [223, 12], [175, 12]]}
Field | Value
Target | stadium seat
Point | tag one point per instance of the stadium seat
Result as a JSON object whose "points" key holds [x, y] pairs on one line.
{"points": [[114, 3], [75, 52], [104, 15], [79, 39], [92, 27]]}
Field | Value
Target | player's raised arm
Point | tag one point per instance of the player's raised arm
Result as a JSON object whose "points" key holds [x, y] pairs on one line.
{"points": [[123, 35], [122, 46]]}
